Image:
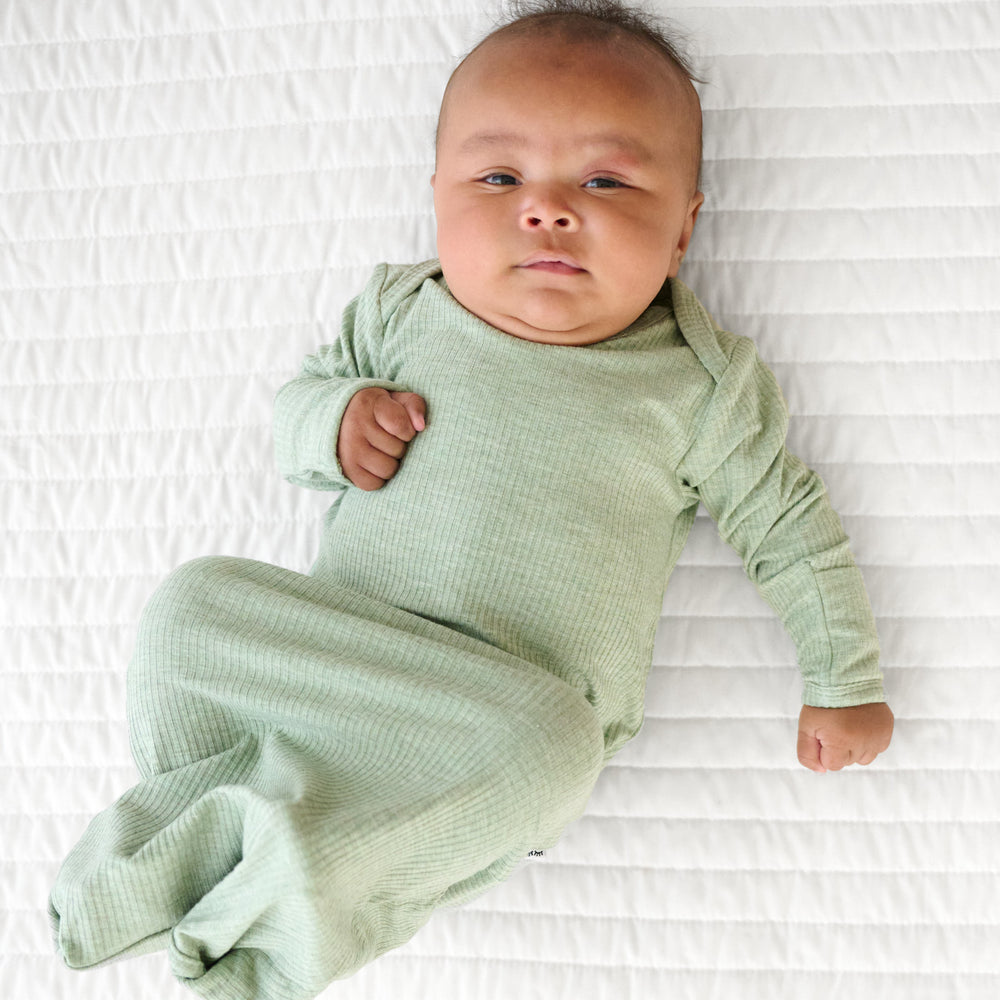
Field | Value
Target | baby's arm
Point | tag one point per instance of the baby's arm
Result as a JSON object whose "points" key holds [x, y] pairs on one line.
{"points": [[374, 432], [775, 512], [309, 410], [832, 738]]}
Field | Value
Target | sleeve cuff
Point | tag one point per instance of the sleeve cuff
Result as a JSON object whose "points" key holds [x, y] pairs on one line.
{"points": [[307, 428], [844, 695]]}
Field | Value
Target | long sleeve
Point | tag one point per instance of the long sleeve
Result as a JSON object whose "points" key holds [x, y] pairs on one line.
{"points": [[775, 513], [309, 408]]}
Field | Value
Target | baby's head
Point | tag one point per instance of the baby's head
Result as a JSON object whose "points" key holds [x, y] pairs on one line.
{"points": [[566, 185]]}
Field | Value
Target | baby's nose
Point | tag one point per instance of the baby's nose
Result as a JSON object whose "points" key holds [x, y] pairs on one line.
{"points": [[545, 211]]}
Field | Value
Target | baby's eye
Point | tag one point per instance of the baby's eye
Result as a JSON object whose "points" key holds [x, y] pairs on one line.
{"points": [[603, 182], [499, 179]]}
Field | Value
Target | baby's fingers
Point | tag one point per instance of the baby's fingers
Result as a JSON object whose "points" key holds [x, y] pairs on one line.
{"points": [[392, 414], [381, 440], [415, 407], [835, 758], [832, 738], [817, 756], [808, 750], [375, 432], [378, 463]]}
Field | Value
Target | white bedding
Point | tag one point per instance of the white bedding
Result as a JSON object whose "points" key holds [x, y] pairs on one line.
{"points": [[189, 194]]}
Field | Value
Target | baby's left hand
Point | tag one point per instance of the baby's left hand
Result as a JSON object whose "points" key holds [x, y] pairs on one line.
{"points": [[832, 738]]}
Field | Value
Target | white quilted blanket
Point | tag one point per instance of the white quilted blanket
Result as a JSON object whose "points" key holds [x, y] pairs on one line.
{"points": [[189, 194]]}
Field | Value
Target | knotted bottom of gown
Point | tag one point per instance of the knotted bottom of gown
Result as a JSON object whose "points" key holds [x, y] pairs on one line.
{"points": [[319, 772]]}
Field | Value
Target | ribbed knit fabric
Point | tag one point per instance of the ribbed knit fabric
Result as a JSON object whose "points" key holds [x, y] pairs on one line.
{"points": [[327, 758], [320, 772], [550, 496]]}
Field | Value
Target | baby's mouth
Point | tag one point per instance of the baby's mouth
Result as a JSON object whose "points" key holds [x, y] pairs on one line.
{"points": [[552, 263]]}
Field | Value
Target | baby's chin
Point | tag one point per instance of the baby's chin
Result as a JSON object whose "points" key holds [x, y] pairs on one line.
{"points": [[547, 326], [570, 312], [571, 337]]}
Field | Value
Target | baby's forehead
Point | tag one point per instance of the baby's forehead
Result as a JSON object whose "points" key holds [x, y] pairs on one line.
{"points": [[509, 55]]}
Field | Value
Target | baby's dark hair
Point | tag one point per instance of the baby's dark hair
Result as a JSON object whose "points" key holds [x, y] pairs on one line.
{"points": [[598, 20]]}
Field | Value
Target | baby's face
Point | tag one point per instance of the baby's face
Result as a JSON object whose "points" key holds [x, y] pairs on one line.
{"points": [[565, 185]]}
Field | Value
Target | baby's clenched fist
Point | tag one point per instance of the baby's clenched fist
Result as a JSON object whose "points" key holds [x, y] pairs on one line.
{"points": [[833, 738], [375, 430]]}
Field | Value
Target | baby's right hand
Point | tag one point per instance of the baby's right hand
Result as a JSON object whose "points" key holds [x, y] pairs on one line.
{"points": [[374, 432]]}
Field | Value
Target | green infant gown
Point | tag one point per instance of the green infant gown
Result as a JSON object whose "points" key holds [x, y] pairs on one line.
{"points": [[327, 758]]}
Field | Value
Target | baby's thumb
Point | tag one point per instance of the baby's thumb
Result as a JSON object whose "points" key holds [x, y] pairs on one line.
{"points": [[416, 408], [808, 749]]}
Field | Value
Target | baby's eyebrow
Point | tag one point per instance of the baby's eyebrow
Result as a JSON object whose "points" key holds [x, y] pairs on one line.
{"points": [[477, 139], [621, 143]]}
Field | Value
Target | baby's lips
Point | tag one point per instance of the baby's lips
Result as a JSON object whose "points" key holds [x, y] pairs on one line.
{"points": [[553, 267], [554, 260]]}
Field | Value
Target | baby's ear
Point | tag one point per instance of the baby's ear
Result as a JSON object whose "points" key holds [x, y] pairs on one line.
{"points": [[432, 179], [697, 200], [694, 207]]}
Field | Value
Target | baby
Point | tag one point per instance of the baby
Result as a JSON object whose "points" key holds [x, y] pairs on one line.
{"points": [[521, 433], [565, 192]]}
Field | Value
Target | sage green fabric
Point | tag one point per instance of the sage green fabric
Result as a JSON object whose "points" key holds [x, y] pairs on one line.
{"points": [[320, 771], [326, 758], [545, 505]]}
